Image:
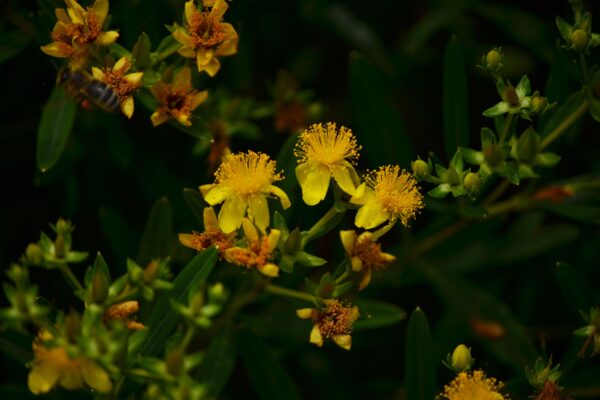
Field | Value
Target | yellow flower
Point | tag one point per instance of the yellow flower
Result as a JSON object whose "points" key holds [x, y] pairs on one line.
{"points": [[77, 29], [212, 235], [242, 182], [52, 366], [123, 85], [176, 100], [323, 152], [259, 250], [473, 386], [205, 37], [388, 194], [122, 312], [365, 254], [333, 322]]}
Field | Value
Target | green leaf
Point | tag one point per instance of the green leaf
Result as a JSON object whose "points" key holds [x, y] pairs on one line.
{"points": [[218, 362], [379, 128], [309, 260], [576, 291], [158, 235], [580, 212], [195, 202], [455, 106], [55, 127], [420, 367], [377, 314], [562, 112], [12, 43], [267, 376], [162, 320]]}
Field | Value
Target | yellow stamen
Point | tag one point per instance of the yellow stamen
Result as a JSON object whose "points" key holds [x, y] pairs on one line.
{"points": [[336, 319], [205, 30], [246, 174], [475, 385], [327, 145]]}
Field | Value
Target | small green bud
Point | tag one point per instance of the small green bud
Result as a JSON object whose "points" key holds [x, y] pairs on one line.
{"points": [[492, 155], [99, 287], [196, 303], [421, 169], [293, 242], [579, 39], [151, 271], [538, 104], [217, 291], [493, 59], [59, 246], [511, 96], [472, 183], [34, 254], [174, 362], [63, 226], [528, 145], [461, 359], [452, 176]]}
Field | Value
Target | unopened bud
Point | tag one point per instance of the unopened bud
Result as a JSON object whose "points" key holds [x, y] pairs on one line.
{"points": [[538, 104], [452, 176], [293, 242], [63, 226], [150, 271], [528, 145], [579, 39], [99, 287], [511, 96], [472, 183], [421, 169], [174, 362], [34, 254], [461, 359], [492, 155], [493, 59], [196, 303], [59, 246], [217, 291]]}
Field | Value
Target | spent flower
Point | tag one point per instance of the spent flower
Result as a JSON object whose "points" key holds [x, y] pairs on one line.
{"points": [[212, 235], [333, 321]]}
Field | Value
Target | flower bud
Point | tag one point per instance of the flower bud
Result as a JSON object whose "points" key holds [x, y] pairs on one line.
{"points": [[511, 96], [216, 292], [493, 59], [472, 183], [99, 287], [59, 246], [579, 39], [421, 169], [150, 271], [528, 145], [492, 155], [293, 242], [461, 359], [452, 176], [63, 226], [538, 104], [34, 254], [196, 303], [174, 362]]}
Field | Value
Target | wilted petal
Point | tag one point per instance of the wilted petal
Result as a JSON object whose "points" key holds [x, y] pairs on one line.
{"points": [[97, 73], [199, 98], [218, 9], [304, 313], [58, 49], [209, 217]]}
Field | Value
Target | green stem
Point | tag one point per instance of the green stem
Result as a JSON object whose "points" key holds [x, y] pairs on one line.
{"points": [[187, 338], [584, 69], [440, 236], [314, 232], [560, 129], [506, 127], [514, 203], [496, 193], [285, 292], [70, 278]]}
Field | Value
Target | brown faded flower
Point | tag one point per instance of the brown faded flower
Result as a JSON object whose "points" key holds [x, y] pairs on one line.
{"points": [[212, 235], [123, 312], [334, 321], [259, 251], [121, 83], [365, 254], [176, 100], [77, 29], [205, 37]]}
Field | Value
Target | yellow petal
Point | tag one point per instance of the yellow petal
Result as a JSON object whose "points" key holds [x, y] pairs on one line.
{"points": [[58, 49], [100, 7], [366, 279], [356, 264], [204, 189], [199, 98], [62, 16], [274, 236], [159, 90], [203, 56], [283, 197], [269, 269], [314, 181], [209, 217], [212, 67], [186, 239], [216, 194], [354, 314], [183, 119], [362, 195], [183, 78], [135, 78], [231, 214], [75, 11], [304, 313], [190, 11], [71, 377], [95, 376], [382, 231], [107, 38], [42, 378], [185, 39], [127, 106], [344, 341], [342, 176], [187, 52], [348, 239], [370, 215], [249, 230], [158, 118], [122, 63], [258, 211], [218, 9], [316, 337], [97, 74]]}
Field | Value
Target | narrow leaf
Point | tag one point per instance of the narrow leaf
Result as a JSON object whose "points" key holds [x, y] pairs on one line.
{"points": [[377, 314], [455, 107], [574, 288], [420, 367], [195, 202], [218, 362], [156, 242], [55, 127]]}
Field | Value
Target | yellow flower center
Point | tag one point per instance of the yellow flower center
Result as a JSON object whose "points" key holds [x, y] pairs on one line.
{"points": [[176, 101], [205, 30], [397, 192], [210, 237], [471, 386], [326, 145], [370, 254], [335, 319], [116, 79], [247, 173], [257, 254]]}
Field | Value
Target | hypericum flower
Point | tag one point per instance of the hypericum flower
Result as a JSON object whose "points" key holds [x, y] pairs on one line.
{"points": [[259, 251], [243, 181], [123, 85], [176, 100], [78, 28], [122, 312], [205, 37], [212, 235], [333, 322], [365, 254], [52, 366], [473, 386], [515, 100], [389, 193], [323, 152]]}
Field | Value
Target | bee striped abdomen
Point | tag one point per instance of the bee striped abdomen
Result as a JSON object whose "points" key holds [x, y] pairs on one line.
{"points": [[101, 95]]}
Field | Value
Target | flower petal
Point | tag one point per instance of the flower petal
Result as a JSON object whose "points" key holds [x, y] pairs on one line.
{"points": [[158, 118], [183, 119], [209, 217], [283, 197], [95, 376], [190, 11], [274, 236], [212, 67], [269, 269], [348, 239], [316, 337], [370, 215], [314, 181], [97, 73], [304, 313], [216, 194], [187, 52], [71, 376], [356, 264], [362, 195], [122, 63], [183, 78], [58, 49], [199, 98], [106, 38], [258, 211], [344, 341], [364, 282], [343, 177], [249, 230], [62, 16], [134, 78], [231, 214], [185, 39], [100, 7], [218, 9], [127, 106], [186, 239], [42, 378]]}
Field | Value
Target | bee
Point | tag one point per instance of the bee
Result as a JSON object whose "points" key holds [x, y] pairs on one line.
{"points": [[87, 90]]}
